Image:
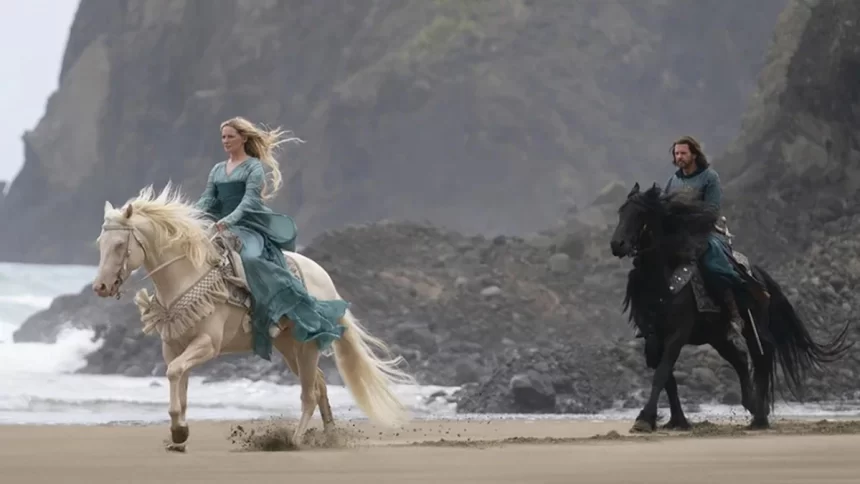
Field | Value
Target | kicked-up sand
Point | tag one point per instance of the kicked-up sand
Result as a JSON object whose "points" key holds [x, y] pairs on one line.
{"points": [[449, 451]]}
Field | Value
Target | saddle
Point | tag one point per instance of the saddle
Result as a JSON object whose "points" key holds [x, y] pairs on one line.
{"points": [[231, 268], [741, 262], [722, 227], [689, 273], [233, 271]]}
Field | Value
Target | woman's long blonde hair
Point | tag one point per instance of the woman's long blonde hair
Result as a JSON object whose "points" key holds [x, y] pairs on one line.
{"points": [[261, 143]]}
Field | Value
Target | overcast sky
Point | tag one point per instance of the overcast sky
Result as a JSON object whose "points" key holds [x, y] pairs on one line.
{"points": [[33, 37]]}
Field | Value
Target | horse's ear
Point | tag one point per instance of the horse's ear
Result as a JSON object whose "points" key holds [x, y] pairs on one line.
{"points": [[634, 191], [108, 206], [128, 211], [654, 187]]}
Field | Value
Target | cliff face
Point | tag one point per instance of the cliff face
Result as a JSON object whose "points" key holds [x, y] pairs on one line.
{"points": [[482, 116], [800, 125], [795, 168]]}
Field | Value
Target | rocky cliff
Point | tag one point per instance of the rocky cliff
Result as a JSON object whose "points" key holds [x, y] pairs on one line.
{"points": [[795, 168], [413, 109]]}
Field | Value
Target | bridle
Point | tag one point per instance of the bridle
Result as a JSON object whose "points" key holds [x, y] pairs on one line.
{"points": [[637, 249], [123, 273]]}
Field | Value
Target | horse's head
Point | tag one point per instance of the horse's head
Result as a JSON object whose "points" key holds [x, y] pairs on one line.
{"points": [[634, 216], [155, 228], [121, 250]]}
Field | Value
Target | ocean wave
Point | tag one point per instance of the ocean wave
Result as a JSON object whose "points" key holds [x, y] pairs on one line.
{"points": [[67, 355], [30, 300], [106, 398]]}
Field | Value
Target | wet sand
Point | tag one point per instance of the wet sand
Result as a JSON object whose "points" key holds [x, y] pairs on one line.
{"points": [[493, 451]]}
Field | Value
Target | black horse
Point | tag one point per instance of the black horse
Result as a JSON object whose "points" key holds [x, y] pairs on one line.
{"points": [[670, 303]]}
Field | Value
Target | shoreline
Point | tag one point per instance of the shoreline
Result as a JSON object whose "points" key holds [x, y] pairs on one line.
{"points": [[714, 413], [482, 419]]}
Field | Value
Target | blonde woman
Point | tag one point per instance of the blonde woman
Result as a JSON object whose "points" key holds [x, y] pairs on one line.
{"points": [[235, 196]]}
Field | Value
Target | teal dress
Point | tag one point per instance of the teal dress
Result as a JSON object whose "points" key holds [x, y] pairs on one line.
{"points": [[705, 182], [235, 200]]}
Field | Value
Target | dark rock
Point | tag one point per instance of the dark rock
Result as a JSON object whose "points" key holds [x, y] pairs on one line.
{"points": [[533, 392], [704, 379], [559, 263], [731, 397], [135, 370], [466, 371]]}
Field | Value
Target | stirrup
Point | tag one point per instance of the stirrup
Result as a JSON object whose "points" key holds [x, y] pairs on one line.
{"points": [[737, 325]]}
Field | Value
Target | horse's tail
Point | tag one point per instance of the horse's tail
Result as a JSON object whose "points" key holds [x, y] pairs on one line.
{"points": [[794, 348], [368, 377]]}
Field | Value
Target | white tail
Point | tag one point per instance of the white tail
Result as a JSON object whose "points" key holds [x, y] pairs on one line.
{"points": [[368, 377]]}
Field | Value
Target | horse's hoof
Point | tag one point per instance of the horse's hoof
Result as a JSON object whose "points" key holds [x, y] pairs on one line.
{"points": [[682, 425], [179, 448], [759, 424], [641, 426], [179, 435]]}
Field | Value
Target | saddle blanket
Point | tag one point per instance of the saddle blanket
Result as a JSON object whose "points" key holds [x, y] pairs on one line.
{"points": [[689, 274]]}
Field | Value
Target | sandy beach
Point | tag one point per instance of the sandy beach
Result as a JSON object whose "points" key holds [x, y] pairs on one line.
{"points": [[491, 451]]}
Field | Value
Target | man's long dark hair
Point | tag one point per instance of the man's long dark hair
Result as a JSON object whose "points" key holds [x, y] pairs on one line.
{"points": [[695, 148]]}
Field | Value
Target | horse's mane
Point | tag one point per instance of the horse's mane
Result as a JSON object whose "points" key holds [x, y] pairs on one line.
{"points": [[684, 225], [679, 211], [172, 221]]}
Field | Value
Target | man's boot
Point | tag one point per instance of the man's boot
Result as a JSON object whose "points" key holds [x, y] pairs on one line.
{"points": [[736, 328]]}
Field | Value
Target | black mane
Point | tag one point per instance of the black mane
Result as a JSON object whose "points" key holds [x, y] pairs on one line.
{"points": [[677, 232], [678, 224], [678, 211]]}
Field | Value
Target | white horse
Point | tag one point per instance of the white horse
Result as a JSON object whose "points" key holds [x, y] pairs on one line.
{"points": [[200, 309]]}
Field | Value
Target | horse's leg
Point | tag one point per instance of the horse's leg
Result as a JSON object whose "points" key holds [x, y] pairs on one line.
{"points": [[325, 406], [672, 345], [308, 359], [677, 420], [739, 361], [174, 409], [289, 348], [763, 365], [183, 396], [653, 355], [200, 350]]}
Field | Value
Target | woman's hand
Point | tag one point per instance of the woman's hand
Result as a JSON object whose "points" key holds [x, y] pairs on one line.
{"points": [[220, 227]]}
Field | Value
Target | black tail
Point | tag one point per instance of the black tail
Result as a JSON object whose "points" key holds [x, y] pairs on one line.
{"points": [[791, 344]]}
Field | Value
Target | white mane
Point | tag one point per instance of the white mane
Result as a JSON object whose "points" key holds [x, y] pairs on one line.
{"points": [[171, 220]]}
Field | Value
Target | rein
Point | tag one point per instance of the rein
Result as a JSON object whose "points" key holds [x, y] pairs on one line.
{"points": [[637, 250], [123, 273], [163, 265]]}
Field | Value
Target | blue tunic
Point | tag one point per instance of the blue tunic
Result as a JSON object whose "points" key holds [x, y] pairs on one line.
{"points": [[235, 199], [706, 183]]}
